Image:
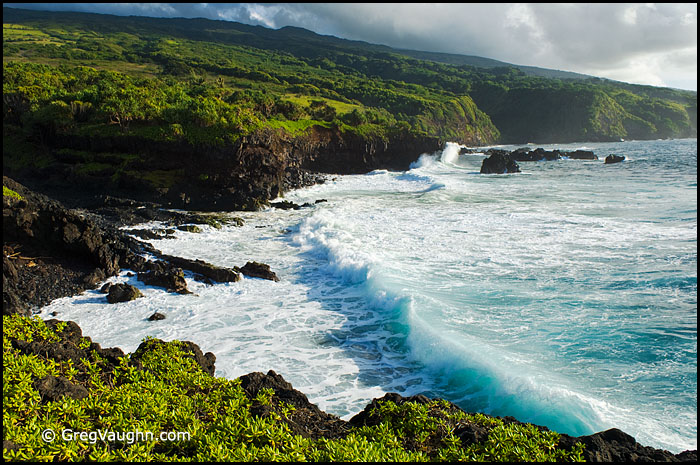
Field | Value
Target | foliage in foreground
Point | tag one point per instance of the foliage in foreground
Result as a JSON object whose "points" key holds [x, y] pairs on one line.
{"points": [[169, 392]]}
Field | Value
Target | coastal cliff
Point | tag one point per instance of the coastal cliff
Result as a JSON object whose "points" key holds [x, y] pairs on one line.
{"points": [[243, 175]]}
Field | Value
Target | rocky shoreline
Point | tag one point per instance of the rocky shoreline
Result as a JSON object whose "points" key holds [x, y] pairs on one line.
{"points": [[51, 251], [306, 419]]}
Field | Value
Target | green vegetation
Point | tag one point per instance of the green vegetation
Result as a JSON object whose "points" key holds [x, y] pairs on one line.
{"points": [[167, 391], [219, 80], [7, 192]]}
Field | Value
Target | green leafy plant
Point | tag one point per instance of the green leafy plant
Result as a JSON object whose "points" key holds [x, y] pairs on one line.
{"points": [[165, 390]]}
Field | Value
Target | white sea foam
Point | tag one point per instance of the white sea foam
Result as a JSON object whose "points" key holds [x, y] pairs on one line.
{"points": [[547, 297]]}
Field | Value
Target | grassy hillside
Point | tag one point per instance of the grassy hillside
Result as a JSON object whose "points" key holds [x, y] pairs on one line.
{"points": [[370, 87]]}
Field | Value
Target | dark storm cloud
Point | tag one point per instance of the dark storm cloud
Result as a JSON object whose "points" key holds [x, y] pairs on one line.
{"points": [[643, 43]]}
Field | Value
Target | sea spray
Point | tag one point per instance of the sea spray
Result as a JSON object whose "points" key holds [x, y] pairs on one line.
{"points": [[566, 296]]}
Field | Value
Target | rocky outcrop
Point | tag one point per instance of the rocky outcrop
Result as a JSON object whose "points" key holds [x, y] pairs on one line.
{"points": [[259, 270], [51, 252], [539, 154], [171, 279], [121, 292], [242, 175], [206, 361], [607, 446], [306, 420], [72, 346], [614, 445], [499, 162], [610, 159], [206, 270]]}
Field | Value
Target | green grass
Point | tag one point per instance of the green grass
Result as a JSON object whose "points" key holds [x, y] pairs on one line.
{"points": [[305, 100], [297, 127], [169, 392]]}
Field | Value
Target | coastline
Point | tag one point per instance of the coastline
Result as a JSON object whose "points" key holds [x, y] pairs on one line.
{"points": [[91, 245]]}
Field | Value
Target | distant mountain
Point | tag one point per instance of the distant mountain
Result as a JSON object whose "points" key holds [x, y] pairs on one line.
{"points": [[481, 62]]}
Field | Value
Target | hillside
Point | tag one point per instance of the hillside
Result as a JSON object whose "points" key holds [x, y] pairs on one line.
{"points": [[121, 103]]}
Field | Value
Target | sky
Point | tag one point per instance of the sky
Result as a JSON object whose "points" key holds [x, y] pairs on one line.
{"points": [[640, 43]]}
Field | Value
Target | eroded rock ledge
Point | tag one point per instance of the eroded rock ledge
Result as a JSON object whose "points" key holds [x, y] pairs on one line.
{"points": [[51, 252]]}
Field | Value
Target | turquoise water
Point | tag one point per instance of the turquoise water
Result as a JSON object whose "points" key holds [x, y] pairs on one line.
{"points": [[565, 295]]}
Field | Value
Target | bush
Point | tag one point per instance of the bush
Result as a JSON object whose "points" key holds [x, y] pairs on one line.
{"points": [[161, 388]]}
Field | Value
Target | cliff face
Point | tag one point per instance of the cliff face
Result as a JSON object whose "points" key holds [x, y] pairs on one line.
{"points": [[588, 114], [239, 176]]}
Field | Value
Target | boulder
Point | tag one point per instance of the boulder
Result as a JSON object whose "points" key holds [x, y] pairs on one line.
{"points": [[212, 272], [122, 292], [610, 159], [53, 388], [171, 279], [259, 270], [285, 205], [156, 317], [499, 162], [190, 228]]}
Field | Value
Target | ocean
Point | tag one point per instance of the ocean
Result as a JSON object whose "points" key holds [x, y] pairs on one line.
{"points": [[565, 295]]}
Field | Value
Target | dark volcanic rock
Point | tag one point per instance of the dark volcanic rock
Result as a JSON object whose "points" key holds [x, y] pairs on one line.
{"points": [[259, 270], [471, 434], [306, 420], [285, 205], [365, 418], [190, 228], [538, 154], [610, 159], [122, 292], [69, 347], [581, 155], [499, 162], [215, 273], [94, 278], [156, 317], [171, 279], [52, 388], [205, 361], [608, 446], [614, 445], [54, 252], [152, 234]]}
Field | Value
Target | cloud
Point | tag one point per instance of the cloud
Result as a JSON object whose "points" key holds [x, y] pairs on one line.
{"points": [[635, 42]]}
